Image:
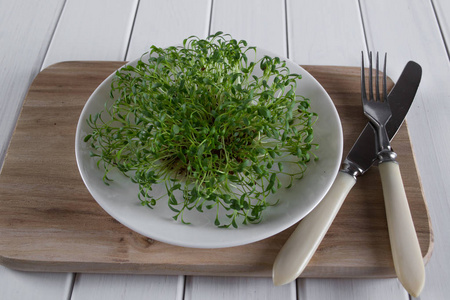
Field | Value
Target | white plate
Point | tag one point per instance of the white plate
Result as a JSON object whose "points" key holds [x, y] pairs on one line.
{"points": [[121, 202]]}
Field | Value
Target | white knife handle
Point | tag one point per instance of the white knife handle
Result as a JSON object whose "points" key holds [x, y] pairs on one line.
{"points": [[304, 241], [406, 253]]}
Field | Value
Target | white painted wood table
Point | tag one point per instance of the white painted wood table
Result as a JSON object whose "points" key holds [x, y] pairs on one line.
{"points": [[35, 34]]}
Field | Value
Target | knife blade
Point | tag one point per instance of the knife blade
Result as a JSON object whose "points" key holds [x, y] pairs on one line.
{"points": [[304, 241]]}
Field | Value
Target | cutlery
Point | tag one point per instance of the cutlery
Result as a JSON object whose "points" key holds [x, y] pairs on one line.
{"points": [[405, 248], [304, 241]]}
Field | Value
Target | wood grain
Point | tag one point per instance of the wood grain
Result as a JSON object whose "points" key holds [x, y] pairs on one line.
{"points": [[28, 23], [251, 22], [167, 23], [121, 286], [49, 221], [442, 11], [93, 37], [248, 288], [340, 42]]}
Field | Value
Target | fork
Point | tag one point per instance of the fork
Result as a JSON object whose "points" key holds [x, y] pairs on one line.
{"points": [[377, 109], [406, 253]]}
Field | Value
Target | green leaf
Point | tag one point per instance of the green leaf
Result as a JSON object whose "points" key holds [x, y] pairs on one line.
{"points": [[309, 138], [257, 169], [200, 150], [272, 153], [264, 112], [280, 166], [87, 138], [234, 224], [175, 187], [172, 200], [174, 209], [182, 157], [175, 129], [233, 178]]}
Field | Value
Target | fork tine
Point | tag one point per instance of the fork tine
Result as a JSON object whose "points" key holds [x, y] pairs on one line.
{"points": [[363, 78], [385, 98], [378, 111], [370, 77], [377, 84]]}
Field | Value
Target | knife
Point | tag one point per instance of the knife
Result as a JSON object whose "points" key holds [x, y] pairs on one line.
{"points": [[304, 241]]}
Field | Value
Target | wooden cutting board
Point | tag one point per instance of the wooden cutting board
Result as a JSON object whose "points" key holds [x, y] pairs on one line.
{"points": [[50, 222]]}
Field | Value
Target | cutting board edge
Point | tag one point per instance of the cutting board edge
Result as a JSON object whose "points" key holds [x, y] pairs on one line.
{"points": [[430, 249], [173, 270]]}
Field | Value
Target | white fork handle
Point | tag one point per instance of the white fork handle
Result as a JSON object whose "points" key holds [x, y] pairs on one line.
{"points": [[303, 242], [406, 253]]}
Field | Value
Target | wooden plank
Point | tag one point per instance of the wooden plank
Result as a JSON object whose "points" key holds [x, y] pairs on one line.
{"points": [[339, 42], [101, 32], [112, 287], [238, 288], [260, 23], [419, 39], [168, 23], [442, 10], [37, 286], [68, 231], [344, 289], [27, 28]]}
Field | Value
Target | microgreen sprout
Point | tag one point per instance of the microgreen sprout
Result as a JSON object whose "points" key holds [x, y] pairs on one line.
{"points": [[215, 127]]}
